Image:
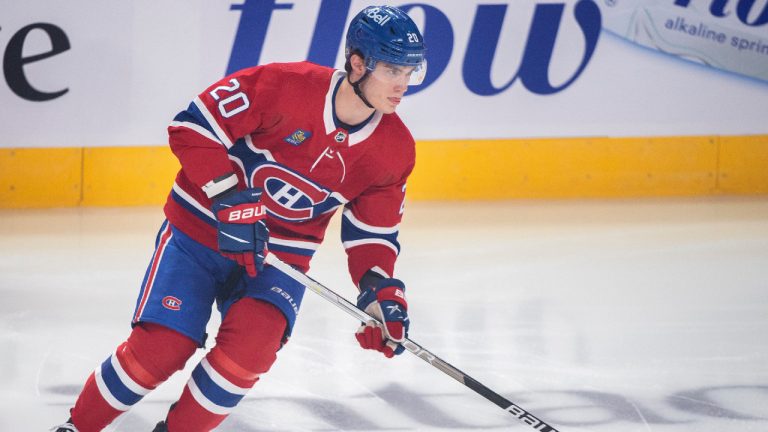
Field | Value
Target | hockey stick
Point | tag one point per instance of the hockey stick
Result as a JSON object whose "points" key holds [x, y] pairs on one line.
{"points": [[412, 346]]}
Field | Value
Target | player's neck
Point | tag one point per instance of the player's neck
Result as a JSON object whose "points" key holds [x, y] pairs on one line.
{"points": [[350, 109]]}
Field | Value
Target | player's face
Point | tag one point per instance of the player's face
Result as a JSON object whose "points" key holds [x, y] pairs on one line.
{"points": [[386, 86]]}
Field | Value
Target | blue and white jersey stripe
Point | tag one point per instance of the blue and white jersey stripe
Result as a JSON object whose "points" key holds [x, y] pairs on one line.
{"points": [[192, 205], [296, 247], [211, 121], [195, 119], [357, 233]]}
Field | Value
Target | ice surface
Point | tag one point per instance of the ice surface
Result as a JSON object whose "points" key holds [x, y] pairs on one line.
{"points": [[629, 315]]}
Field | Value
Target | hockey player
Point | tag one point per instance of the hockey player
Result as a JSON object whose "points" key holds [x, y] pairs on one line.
{"points": [[267, 156]]}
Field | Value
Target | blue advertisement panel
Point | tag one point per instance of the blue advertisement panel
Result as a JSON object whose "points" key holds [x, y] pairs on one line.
{"points": [[114, 73]]}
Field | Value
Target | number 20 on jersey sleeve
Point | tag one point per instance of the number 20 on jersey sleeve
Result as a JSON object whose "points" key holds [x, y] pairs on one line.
{"points": [[233, 103]]}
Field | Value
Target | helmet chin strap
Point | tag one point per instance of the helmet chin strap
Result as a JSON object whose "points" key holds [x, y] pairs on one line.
{"points": [[358, 91]]}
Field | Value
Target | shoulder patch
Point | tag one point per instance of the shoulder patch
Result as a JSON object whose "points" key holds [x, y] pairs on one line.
{"points": [[297, 137]]}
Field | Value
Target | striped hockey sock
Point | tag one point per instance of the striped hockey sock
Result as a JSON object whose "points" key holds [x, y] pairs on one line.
{"points": [[246, 347], [150, 355]]}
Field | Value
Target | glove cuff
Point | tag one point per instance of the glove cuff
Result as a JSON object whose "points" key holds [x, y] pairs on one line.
{"points": [[392, 293], [390, 282]]}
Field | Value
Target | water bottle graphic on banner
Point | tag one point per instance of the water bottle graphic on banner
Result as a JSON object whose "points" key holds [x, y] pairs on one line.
{"points": [[730, 35]]}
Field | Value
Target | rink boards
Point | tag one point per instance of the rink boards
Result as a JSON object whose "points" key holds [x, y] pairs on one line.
{"points": [[599, 167]]}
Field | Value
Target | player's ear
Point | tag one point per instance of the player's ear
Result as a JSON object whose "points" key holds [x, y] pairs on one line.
{"points": [[358, 64]]}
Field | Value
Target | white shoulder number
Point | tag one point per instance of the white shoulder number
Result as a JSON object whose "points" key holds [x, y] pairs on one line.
{"points": [[232, 104]]}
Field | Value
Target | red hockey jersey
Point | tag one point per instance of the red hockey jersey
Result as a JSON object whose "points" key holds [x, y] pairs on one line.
{"points": [[275, 127]]}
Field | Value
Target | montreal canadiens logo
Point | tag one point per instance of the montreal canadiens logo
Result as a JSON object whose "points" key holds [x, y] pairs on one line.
{"points": [[290, 196], [172, 303]]}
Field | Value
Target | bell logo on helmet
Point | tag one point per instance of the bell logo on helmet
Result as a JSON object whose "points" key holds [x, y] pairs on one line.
{"points": [[373, 14]]}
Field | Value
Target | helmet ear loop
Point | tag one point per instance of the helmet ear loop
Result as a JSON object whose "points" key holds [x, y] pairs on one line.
{"points": [[356, 86]]}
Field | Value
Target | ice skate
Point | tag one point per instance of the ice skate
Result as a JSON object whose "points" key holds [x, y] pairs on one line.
{"points": [[66, 427]]}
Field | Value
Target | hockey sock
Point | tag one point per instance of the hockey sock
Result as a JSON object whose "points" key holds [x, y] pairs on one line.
{"points": [[246, 347], [151, 354]]}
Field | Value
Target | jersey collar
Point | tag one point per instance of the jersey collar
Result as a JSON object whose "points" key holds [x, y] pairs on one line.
{"points": [[357, 136]]}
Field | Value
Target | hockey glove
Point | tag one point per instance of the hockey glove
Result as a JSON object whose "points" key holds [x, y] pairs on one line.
{"points": [[386, 302], [242, 234]]}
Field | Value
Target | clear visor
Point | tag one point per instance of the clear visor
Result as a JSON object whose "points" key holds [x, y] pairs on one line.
{"points": [[399, 74]]}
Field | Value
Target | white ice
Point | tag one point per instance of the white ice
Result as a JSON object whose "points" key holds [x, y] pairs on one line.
{"points": [[627, 315]]}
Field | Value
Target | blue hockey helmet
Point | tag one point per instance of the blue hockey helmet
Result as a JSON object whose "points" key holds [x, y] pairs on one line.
{"points": [[385, 33]]}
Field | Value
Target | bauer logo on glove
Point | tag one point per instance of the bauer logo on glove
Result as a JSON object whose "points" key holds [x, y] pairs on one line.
{"points": [[242, 236], [386, 302], [243, 214]]}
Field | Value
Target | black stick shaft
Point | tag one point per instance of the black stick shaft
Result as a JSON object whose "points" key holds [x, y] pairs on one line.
{"points": [[416, 349]]}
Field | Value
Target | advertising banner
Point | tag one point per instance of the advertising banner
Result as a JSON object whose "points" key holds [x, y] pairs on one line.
{"points": [[113, 73], [728, 35]]}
